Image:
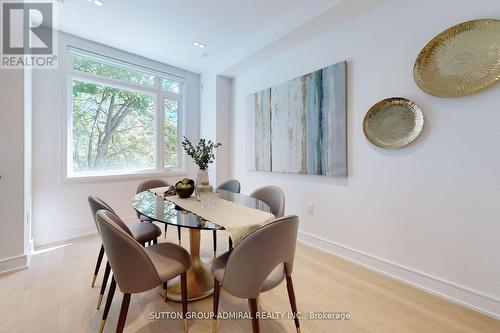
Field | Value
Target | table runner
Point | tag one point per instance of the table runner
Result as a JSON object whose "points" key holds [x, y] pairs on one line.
{"points": [[238, 220]]}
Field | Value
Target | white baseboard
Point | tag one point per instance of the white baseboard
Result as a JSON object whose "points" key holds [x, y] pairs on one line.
{"points": [[472, 299], [63, 236], [29, 251], [18, 263], [67, 235], [14, 264]]}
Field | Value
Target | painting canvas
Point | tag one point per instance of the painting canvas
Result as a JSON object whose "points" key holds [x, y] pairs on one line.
{"points": [[300, 126]]}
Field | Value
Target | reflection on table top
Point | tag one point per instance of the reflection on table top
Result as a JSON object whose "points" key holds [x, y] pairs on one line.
{"points": [[159, 209]]}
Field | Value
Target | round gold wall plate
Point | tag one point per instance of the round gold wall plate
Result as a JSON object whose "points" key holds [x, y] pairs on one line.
{"points": [[461, 60], [393, 123]]}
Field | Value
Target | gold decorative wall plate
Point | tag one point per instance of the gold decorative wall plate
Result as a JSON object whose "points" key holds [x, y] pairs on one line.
{"points": [[461, 60], [393, 123]]}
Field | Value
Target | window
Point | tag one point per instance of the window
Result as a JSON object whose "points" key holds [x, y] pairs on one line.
{"points": [[122, 118]]}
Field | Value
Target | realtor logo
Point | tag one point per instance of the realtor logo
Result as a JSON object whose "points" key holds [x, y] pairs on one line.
{"points": [[28, 38]]}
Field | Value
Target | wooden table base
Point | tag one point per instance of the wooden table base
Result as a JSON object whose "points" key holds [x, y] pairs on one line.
{"points": [[200, 281]]}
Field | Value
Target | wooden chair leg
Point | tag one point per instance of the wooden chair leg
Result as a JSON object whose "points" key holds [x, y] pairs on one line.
{"points": [[184, 300], [216, 304], [165, 233], [165, 287], [123, 313], [155, 241], [179, 235], [252, 302], [293, 303], [215, 242], [104, 283], [98, 264], [109, 300]]}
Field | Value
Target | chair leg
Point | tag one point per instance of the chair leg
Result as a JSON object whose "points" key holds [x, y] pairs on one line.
{"points": [[104, 283], [98, 264], [184, 300], [179, 235], [252, 302], [165, 287], [230, 243], [123, 313], [155, 241], [165, 233], [215, 242], [216, 304], [291, 296], [109, 300]]}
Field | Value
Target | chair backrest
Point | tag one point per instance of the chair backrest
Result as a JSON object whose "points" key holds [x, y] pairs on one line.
{"points": [[151, 183], [258, 254], [274, 197], [231, 185], [147, 184], [96, 204], [133, 270]]}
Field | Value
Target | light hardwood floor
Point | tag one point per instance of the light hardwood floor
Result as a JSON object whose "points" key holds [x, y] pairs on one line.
{"points": [[54, 295]]}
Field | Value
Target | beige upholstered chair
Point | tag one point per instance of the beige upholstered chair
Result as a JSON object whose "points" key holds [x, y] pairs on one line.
{"points": [[149, 184], [260, 262], [142, 232], [137, 269], [231, 185], [273, 196]]}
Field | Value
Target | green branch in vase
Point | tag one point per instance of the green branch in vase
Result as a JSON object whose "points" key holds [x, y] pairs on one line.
{"points": [[203, 154]]}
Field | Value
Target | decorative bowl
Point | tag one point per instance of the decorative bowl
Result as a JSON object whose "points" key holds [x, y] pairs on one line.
{"points": [[185, 192], [461, 60], [393, 123]]}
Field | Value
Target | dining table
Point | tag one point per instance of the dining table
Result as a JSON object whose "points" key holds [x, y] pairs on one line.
{"points": [[199, 277]]}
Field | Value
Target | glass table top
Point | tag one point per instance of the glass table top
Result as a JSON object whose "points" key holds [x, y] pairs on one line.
{"points": [[161, 210]]}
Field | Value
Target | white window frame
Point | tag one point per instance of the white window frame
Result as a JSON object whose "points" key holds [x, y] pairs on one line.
{"points": [[159, 170]]}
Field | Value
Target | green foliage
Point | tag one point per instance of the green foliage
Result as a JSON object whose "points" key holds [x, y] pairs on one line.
{"points": [[90, 66], [114, 128], [171, 112], [203, 153], [170, 86]]}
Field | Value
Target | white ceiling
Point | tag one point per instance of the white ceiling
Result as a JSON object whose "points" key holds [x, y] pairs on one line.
{"points": [[164, 30]]}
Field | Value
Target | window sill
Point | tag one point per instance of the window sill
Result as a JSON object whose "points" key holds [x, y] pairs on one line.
{"points": [[124, 176]]}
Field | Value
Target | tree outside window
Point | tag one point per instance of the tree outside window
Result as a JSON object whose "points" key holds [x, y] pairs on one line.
{"points": [[115, 127]]}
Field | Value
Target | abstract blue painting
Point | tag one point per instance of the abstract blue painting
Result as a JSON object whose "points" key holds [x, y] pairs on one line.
{"points": [[300, 126]]}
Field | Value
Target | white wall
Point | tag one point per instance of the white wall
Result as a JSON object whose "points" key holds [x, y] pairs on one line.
{"points": [[208, 115], [12, 169], [60, 209], [427, 213], [224, 128], [216, 122], [28, 160]]}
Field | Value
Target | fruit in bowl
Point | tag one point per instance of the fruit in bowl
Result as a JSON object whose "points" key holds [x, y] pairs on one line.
{"points": [[184, 188]]}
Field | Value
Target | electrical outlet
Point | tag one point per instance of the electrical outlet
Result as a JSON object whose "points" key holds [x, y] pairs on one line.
{"points": [[310, 209]]}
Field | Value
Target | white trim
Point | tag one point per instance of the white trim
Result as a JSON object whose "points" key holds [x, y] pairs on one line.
{"points": [[63, 236], [125, 176], [486, 304], [14, 264], [70, 46], [43, 240], [29, 252], [124, 85], [111, 60]]}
